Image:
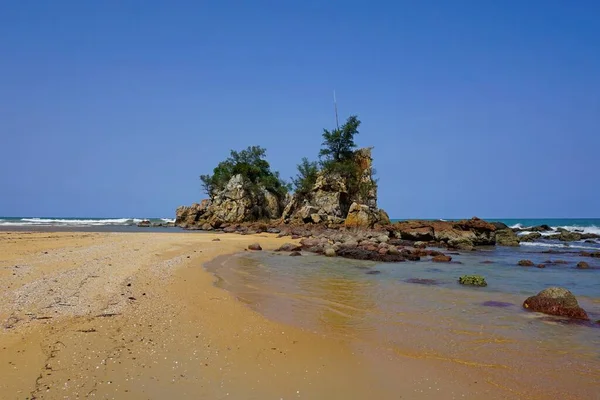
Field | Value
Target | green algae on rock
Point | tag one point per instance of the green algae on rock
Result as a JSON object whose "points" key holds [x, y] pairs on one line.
{"points": [[472, 280]]}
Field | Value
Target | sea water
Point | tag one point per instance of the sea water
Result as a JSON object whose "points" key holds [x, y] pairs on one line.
{"points": [[418, 309]]}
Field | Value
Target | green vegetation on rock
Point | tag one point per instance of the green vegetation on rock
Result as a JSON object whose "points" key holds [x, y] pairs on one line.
{"points": [[472, 280], [252, 166]]}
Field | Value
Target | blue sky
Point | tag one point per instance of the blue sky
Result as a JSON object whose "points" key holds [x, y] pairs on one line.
{"points": [[114, 108]]}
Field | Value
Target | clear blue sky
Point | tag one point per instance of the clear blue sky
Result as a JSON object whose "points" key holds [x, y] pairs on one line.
{"points": [[114, 108]]}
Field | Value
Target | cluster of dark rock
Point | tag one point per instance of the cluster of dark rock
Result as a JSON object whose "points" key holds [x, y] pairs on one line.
{"points": [[148, 224]]}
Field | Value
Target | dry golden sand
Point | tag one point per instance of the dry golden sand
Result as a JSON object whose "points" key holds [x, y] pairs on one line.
{"points": [[135, 316]]}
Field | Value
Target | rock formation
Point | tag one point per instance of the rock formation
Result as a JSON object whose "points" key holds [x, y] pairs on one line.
{"points": [[463, 234], [331, 201], [234, 204], [334, 200], [556, 301]]}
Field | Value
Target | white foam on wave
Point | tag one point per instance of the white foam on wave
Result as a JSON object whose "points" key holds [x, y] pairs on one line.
{"points": [[168, 219], [516, 226], [558, 245], [69, 222], [581, 229]]}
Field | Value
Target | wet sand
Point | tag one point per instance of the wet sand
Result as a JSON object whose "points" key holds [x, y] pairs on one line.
{"points": [[136, 316]]}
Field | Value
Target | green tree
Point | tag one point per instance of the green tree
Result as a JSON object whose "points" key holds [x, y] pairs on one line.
{"points": [[339, 143], [254, 168], [306, 177]]}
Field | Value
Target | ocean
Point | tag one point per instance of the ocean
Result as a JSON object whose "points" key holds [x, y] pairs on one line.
{"points": [[86, 224]]}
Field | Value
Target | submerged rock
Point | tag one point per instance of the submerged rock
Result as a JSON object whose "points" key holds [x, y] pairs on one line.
{"points": [[358, 253], [422, 281], [582, 265], [295, 254], [373, 272], [530, 237], [499, 304], [472, 280], [556, 301], [587, 254], [526, 263], [441, 258]]}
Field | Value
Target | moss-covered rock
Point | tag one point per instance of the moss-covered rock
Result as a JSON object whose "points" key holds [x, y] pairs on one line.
{"points": [[472, 280], [506, 237]]}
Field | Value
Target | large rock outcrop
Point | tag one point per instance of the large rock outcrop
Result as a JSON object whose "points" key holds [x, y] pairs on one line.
{"points": [[462, 234], [236, 203], [333, 200]]}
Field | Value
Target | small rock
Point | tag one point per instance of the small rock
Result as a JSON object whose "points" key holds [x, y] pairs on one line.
{"points": [[526, 263], [374, 272], [540, 266], [295, 254], [216, 240], [441, 258], [330, 252], [254, 246]]}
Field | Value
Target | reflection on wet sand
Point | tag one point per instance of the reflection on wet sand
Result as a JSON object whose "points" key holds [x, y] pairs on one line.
{"points": [[404, 320]]}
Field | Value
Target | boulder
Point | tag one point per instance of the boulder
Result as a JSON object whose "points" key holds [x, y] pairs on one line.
{"points": [[530, 237], [361, 216], [144, 224], [255, 247], [540, 228], [316, 218], [526, 263], [461, 243], [506, 237], [289, 247], [556, 301], [358, 253], [567, 236], [500, 225], [418, 231], [582, 265], [472, 280]]}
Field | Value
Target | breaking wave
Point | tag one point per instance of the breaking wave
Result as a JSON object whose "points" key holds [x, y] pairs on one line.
{"points": [[78, 222]]}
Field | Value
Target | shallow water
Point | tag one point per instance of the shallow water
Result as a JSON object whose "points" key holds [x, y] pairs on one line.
{"points": [[436, 317]]}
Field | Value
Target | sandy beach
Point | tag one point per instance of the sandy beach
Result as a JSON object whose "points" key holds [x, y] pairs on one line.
{"points": [[136, 316]]}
